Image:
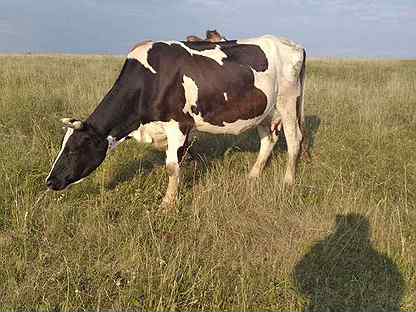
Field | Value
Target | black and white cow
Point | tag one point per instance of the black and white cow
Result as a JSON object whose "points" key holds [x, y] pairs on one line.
{"points": [[167, 89]]}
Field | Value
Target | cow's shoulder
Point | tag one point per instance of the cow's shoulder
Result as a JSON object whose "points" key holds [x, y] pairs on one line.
{"points": [[140, 44], [140, 53]]}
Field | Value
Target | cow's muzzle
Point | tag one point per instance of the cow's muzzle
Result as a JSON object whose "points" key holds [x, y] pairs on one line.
{"points": [[55, 184]]}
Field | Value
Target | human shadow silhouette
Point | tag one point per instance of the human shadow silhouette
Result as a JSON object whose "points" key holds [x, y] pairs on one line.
{"points": [[343, 272]]}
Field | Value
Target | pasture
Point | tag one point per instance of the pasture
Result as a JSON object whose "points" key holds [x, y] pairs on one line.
{"points": [[343, 240]]}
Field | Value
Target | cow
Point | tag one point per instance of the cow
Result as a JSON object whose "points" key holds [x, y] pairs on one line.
{"points": [[192, 38], [167, 89], [211, 36], [214, 36]]}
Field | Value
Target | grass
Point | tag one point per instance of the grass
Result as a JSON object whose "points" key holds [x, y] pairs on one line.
{"points": [[343, 240]]}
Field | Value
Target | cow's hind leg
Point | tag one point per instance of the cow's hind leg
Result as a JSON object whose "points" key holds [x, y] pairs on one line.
{"points": [[176, 141], [268, 140], [293, 133]]}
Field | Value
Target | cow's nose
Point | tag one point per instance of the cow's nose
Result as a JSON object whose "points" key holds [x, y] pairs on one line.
{"points": [[50, 183]]}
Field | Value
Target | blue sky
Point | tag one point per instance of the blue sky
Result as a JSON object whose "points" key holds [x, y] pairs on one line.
{"points": [[338, 28]]}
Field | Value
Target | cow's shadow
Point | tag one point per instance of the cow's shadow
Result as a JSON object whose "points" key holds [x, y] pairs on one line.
{"points": [[127, 171], [206, 149], [312, 124], [344, 272]]}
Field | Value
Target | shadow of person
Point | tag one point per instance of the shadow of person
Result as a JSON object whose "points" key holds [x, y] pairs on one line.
{"points": [[343, 272]]}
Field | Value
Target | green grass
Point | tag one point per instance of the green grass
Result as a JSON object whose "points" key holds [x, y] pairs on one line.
{"points": [[343, 240]]}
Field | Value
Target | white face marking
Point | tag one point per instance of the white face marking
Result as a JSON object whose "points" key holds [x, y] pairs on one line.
{"points": [[225, 96], [140, 53], [68, 133], [215, 54]]}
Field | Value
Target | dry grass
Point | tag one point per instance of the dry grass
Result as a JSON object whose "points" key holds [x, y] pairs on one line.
{"points": [[344, 240]]}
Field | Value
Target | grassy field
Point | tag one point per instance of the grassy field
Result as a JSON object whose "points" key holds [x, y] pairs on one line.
{"points": [[343, 240]]}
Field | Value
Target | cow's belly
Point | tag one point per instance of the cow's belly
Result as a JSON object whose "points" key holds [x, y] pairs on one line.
{"points": [[236, 127]]}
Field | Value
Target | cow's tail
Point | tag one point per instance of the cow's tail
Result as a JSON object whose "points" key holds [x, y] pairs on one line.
{"points": [[304, 152]]}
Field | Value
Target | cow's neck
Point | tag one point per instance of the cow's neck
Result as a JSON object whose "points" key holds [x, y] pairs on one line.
{"points": [[114, 120], [119, 112]]}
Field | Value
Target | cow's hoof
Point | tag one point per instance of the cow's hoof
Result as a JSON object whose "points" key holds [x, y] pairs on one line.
{"points": [[168, 205], [306, 156], [255, 172], [288, 182]]}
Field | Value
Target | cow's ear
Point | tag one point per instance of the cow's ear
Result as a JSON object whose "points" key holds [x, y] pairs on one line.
{"points": [[73, 123]]}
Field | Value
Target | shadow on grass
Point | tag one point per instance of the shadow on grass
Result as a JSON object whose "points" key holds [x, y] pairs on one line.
{"points": [[312, 124], [206, 149], [127, 171], [343, 272]]}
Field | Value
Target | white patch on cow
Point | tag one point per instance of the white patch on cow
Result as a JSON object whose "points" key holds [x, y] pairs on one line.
{"points": [[225, 96], [68, 133], [140, 53], [191, 94], [235, 128], [140, 136], [215, 54], [151, 133]]}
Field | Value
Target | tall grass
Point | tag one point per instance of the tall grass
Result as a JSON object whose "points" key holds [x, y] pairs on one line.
{"points": [[343, 240]]}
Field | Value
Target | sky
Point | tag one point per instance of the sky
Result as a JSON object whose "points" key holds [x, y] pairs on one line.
{"points": [[337, 28]]}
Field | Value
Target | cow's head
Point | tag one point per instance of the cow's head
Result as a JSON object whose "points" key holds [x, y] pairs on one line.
{"points": [[83, 150]]}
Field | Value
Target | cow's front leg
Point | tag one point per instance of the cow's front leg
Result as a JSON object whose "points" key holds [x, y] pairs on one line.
{"points": [[176, 141]]}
